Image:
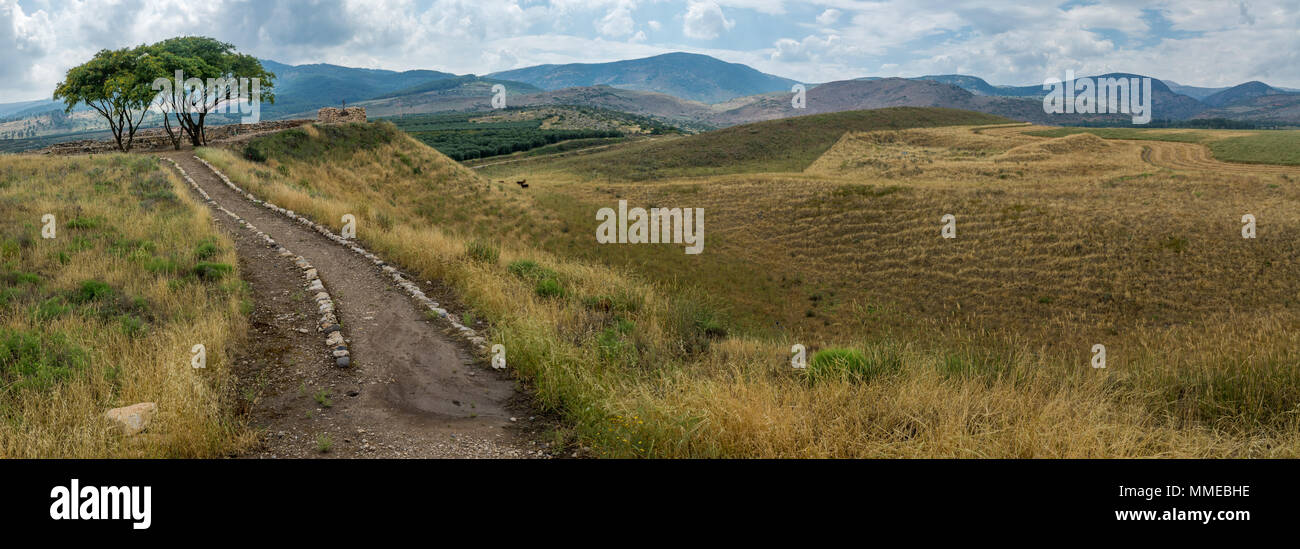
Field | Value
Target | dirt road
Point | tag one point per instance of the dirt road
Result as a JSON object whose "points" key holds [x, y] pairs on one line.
{"points": [[411, 391]]}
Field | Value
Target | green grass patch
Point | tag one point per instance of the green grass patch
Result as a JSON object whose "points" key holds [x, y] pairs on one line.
{"points": [[210, 272], [482, 252], [549, 287], [37, 360], [844, 363], [332, 142], [1265, 147]]}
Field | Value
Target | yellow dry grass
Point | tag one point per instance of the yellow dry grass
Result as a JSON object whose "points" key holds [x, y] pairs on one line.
{"points": [[1062, 244], [124, 222]]}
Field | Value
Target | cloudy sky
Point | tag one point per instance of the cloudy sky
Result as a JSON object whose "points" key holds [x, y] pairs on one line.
{"points": [[1197, 42]]}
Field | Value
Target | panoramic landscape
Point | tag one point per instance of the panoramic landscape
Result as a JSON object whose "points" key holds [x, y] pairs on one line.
{"points": [[668, 230]]}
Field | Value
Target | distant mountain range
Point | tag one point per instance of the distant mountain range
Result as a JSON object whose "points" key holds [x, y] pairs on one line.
{"points": [[301, 88], [690, 90], [685, 75]]}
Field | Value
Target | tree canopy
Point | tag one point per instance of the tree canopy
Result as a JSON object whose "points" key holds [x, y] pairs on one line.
{"points": [[121, 85], [115, 83], [208, 60]]}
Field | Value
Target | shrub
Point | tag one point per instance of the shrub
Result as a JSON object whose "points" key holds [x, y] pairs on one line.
{"points": [[254, 153], [623, 302], [549, 287], [207, 249], [852, 364], [34, 360], [695, 323], [613, 346], [162, 265], [154, 189], [530, 270], [482, 251], [84, 222], [133, 326], [18, 277], [51, 308], [212, 271], [92, 290], [523, 268]]}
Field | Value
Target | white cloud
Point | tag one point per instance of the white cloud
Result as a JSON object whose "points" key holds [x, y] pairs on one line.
{"points": [[705, 20], [829, 17], [1214, 42], [811, 48], [617, 23]]}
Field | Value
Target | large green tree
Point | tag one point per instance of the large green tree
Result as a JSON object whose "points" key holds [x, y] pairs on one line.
{"points": [[211, 61], [115, 83], [121, 86]]}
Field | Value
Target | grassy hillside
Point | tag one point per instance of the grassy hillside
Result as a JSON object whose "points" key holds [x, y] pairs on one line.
{"points": [[1246, 146], [467, 136], [789, 144], [105, 314], [1265, 147], [919, 345]]}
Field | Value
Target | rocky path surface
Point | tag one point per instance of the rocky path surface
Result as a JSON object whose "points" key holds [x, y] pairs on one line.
{"points": [[411, 390]]}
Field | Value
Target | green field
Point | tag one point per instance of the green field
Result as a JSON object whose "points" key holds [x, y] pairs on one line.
{"points": [[1265, 147], [467, 136], [1260, 147], [785, 145]]}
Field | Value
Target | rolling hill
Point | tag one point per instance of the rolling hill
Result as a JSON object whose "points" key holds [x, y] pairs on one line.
{"points": [[904, 92], [788, 144], [301, 88], [691, 115], [1276, 108], [1194, 92], [1240, 93], [685, 75], [691, 91]]}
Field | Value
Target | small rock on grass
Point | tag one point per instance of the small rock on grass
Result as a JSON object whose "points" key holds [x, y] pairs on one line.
{"points": [[132, 419]]}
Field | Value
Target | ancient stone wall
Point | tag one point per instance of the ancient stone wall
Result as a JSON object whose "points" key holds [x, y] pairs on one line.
{"points": [[155, 139], [331, 115]]}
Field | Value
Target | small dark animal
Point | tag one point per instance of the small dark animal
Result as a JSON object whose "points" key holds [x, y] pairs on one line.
{"points": [[522, 183]]}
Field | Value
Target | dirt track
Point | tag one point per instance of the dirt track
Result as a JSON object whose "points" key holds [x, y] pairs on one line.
{"points": [[412, 391]]}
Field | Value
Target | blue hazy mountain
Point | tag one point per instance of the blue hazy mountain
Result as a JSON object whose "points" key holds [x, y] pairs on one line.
{"points": [[684, 75]]}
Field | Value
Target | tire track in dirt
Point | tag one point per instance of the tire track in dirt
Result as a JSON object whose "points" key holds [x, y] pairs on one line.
{"points": [[1195, 156], [411, 391]]}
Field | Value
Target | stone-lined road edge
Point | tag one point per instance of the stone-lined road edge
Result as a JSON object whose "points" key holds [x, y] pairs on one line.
{"points": [[335, 341], [401, 281]]}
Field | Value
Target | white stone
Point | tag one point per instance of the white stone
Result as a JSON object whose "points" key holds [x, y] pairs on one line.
{"points": [[134, 418]]}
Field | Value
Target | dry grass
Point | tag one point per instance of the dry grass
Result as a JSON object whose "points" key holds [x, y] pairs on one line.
{"points": [[72, 348], [1061, 244]]}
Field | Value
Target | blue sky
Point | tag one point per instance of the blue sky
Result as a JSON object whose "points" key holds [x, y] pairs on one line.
{"points": [[1197, 42]]}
